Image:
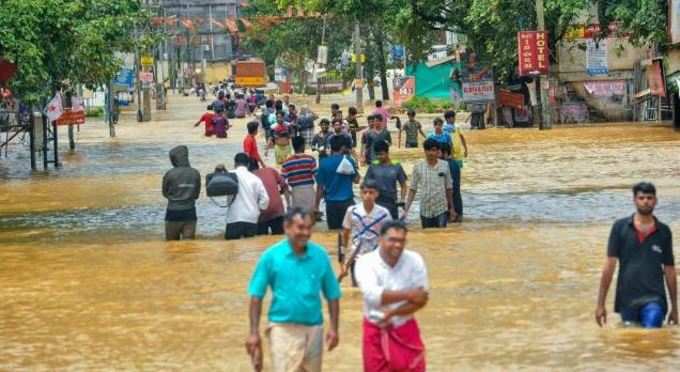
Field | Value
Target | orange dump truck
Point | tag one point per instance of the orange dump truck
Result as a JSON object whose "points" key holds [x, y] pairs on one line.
{"points": [[251, 73]]}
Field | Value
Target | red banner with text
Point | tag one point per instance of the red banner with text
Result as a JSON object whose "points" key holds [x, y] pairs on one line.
{"points": [[533, 52]]}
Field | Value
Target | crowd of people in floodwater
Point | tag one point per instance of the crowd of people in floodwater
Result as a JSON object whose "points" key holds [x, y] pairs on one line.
{"points": [[319, 159], [285, 198]]}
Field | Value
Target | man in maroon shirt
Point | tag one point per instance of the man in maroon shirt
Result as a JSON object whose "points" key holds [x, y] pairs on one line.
{"points": [[271, 219]]}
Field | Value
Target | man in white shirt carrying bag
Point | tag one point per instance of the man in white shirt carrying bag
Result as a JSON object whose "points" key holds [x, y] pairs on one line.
{"points": [[251, 199], [394, 285]]}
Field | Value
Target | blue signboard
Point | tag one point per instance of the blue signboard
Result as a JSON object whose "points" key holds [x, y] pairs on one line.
{"points": [[126, 77], [397, 52]]}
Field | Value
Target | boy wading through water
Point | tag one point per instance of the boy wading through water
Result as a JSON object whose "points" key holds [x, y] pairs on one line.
{"points": [[362, 223], [394, 285], [387, 174], [297, 271], [412, 128], [643, 247], [432, 180]]}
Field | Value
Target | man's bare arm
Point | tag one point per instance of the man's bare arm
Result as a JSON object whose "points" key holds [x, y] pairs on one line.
{"points": [[672, 284], [254, 315], [605, 283]]}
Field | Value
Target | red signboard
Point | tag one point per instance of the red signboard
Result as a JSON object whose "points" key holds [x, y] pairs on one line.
{"points": [[534, 55], [510, 99], [404, 90], [71, 117], [655, 80]]}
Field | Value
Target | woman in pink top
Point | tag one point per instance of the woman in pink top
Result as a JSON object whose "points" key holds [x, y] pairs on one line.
{"points": [[241, 107], [380, 110]]}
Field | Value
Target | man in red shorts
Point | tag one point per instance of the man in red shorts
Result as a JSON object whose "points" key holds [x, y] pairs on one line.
{"points": [[394, 284]]}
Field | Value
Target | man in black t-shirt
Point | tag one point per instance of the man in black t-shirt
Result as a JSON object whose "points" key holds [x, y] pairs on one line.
{"points": [[644, 248]]}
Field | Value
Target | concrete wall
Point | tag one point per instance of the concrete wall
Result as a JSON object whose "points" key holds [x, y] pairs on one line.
{"points": [[621, 58]]}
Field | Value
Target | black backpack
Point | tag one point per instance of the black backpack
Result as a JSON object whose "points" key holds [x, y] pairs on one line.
{"points": [[221, 183]]}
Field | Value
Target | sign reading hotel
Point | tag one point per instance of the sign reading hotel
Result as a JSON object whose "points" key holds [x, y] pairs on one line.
{"points": [[533, 52]]}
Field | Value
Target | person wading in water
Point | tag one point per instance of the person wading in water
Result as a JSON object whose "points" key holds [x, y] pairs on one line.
{"points": [[297, 270], [394, 285], [644, 248]]}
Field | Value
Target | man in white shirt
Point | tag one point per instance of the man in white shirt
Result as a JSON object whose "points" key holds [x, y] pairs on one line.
{"points": [[394, 285], [244, 210]]}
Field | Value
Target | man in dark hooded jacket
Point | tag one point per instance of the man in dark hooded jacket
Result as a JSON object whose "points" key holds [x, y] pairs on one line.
{"points": [[181, 186]]}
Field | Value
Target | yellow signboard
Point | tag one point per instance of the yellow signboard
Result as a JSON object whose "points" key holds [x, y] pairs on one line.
{"points": [[250, 81], [147, 60]]}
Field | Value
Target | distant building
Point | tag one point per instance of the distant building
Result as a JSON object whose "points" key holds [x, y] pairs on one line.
{"points": [[201, 37]]}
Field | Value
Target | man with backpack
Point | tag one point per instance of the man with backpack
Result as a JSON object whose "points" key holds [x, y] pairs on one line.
{"points": [[334, 178], [244, 209]]}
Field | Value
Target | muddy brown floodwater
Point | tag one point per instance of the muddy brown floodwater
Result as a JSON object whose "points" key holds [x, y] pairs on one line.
{"points": [[87, 283]]}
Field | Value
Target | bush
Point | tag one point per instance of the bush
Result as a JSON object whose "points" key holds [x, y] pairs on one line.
{"points": [[94, 112], [423, 104]]}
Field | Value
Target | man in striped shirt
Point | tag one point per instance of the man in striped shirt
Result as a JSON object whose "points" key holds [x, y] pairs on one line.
{"points": [[298, 170]]}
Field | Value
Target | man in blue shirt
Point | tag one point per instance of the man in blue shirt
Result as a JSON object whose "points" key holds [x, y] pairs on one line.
{"points": [[296, 270], [334, 182], [438, 134]]}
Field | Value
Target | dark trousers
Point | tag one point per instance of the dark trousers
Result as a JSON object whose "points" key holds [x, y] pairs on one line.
{"points": [[390, 205], [238, 230], [477, 120], [457, 197], [178, 230], [335, 213], [274, 225], [434, 222]]}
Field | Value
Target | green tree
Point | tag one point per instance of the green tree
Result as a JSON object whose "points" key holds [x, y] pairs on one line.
{"points": [[292, 41], [58, 42], [378, 17], [491, 25]]}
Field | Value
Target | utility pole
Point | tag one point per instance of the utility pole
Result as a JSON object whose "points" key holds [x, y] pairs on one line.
{"points": [[542, 82], [323, 43], [138, 82], [359, 79]]}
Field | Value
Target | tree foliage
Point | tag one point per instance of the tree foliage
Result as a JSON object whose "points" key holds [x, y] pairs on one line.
{"points": [[490, 26], [54, 42], [293, 41]]}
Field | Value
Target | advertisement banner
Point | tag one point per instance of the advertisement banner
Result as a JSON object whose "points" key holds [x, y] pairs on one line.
{"points": [[605, 88], [475, 78], [404, 89], [478, 91], [597, 57], [533, 53], [146, 77]]}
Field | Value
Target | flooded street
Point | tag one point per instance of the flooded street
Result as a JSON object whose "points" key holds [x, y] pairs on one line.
{"points": [[87, 282]]}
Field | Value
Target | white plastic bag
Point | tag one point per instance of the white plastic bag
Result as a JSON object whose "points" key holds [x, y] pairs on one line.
{"points": [[345, 167]]}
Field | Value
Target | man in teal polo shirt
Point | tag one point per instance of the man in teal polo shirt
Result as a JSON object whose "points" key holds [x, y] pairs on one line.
{"points": [[296, 270]]}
